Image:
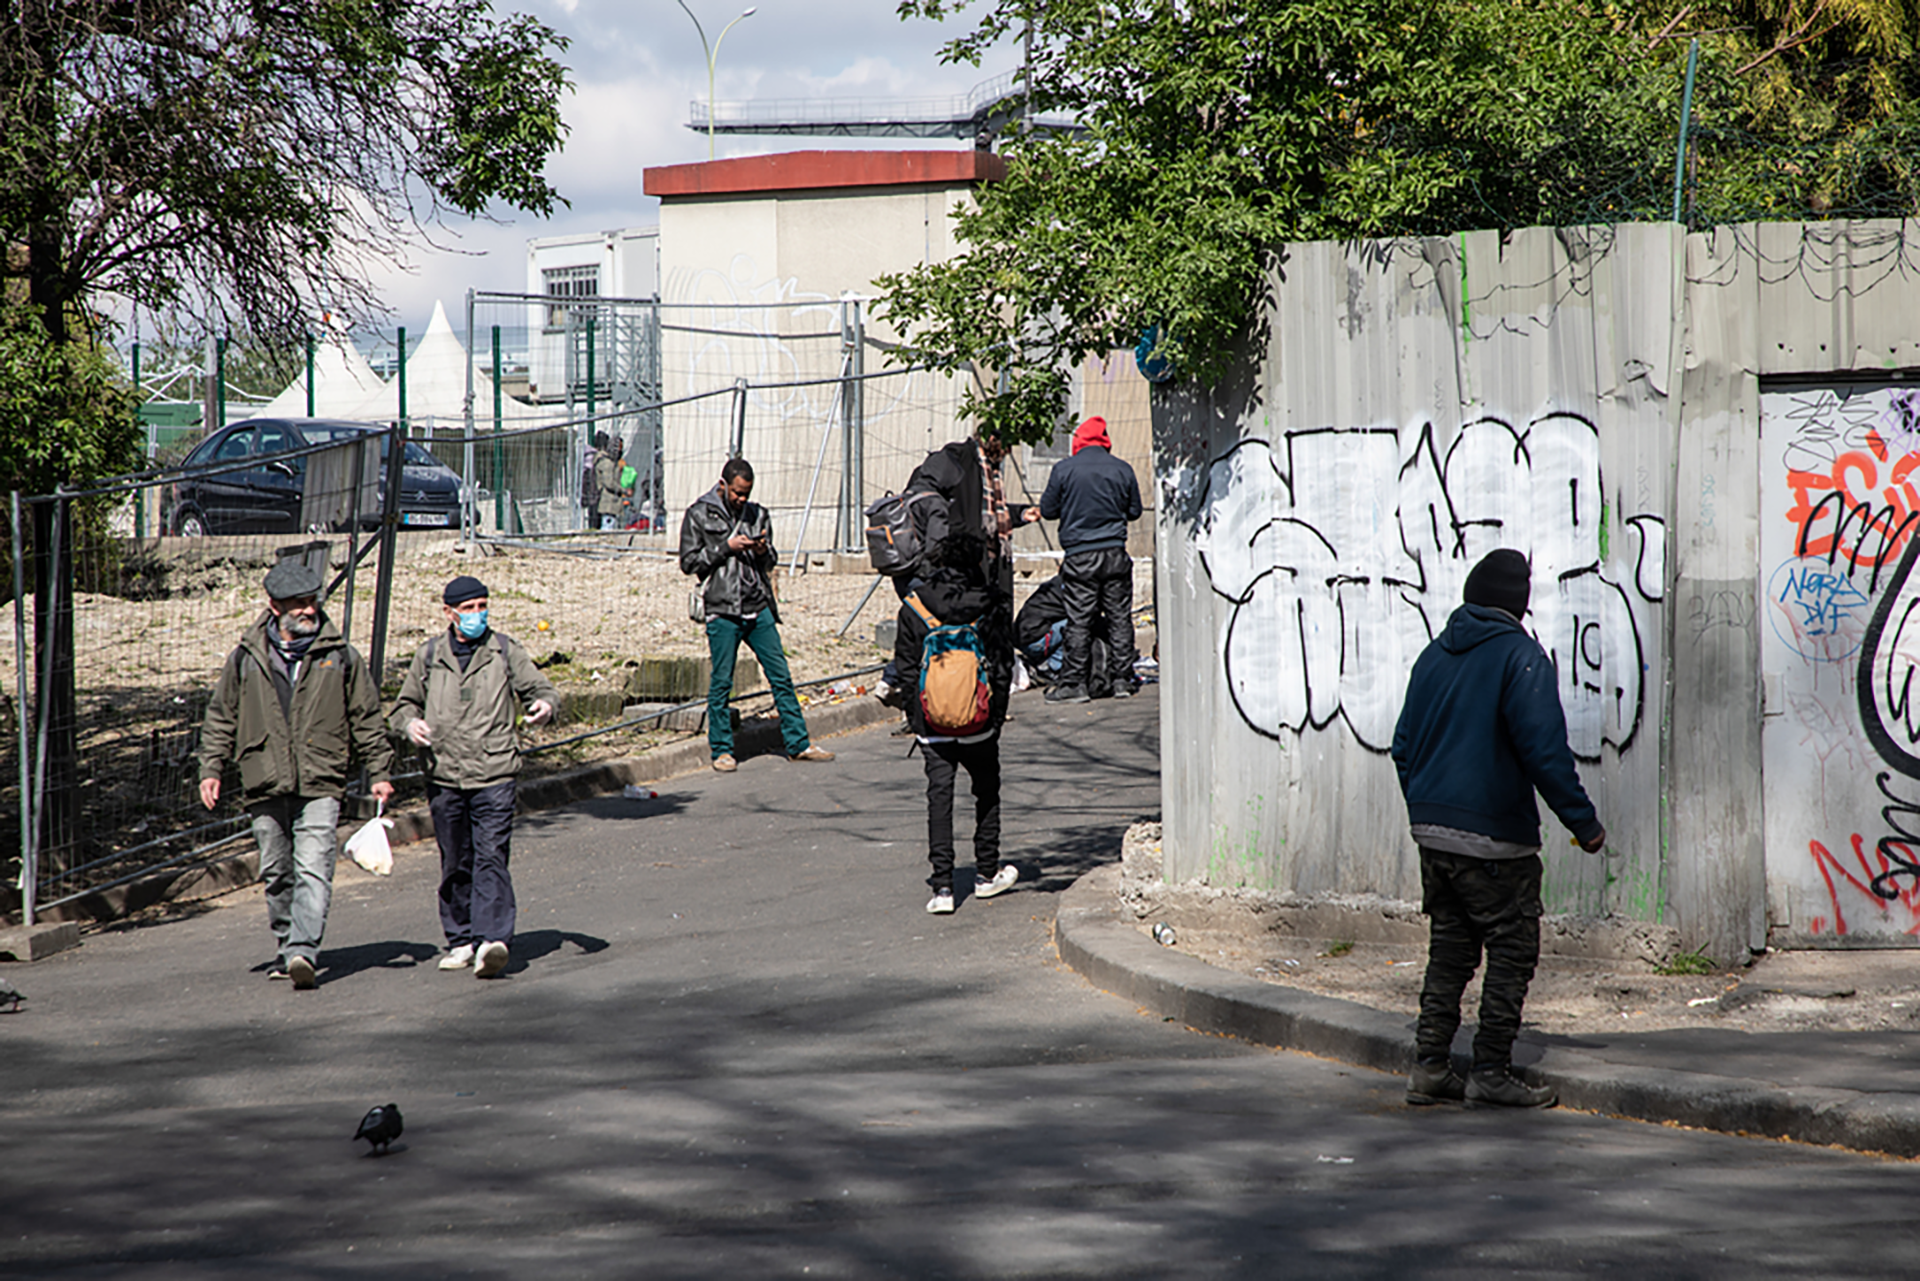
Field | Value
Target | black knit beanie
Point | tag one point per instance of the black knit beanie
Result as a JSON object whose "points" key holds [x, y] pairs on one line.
{"points": [[1502, 580]]}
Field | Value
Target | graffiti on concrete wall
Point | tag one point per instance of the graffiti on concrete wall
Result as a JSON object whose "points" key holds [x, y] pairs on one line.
{"points": [[1844, 609], [1344, 551]]}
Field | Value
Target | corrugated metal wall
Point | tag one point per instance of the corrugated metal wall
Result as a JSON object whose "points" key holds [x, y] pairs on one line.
{"points": [[1410, 405]]}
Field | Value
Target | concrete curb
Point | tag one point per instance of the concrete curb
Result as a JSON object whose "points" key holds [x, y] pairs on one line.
{"points": [[1096, 939], [242, 867]]}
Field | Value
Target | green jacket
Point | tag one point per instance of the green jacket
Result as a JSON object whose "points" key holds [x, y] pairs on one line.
{"points": [[335, 716], [472, 712]]}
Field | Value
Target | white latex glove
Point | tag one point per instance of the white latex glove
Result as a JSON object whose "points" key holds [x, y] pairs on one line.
{"points": [[539, 712], [420, 732]]}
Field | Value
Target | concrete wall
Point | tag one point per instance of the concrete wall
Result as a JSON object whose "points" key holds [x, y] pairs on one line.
{"points": [[1575, 393]]}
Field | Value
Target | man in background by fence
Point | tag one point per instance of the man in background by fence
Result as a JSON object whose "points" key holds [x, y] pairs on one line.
{"points": [[610, 495], [1094, 495], [727, 543], [294, 706]]}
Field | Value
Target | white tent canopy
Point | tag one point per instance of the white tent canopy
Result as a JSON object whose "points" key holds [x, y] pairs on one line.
{"points": [[342, 378], [346, 386]]}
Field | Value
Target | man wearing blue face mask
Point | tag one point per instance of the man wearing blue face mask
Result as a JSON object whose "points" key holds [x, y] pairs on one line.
{"points": [[458, 707]]}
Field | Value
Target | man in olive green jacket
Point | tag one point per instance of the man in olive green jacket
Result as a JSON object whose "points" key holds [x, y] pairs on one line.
{"points": [[457, 705], [294, 706]]}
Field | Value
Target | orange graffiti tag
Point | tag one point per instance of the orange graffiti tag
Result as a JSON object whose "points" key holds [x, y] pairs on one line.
{"points": [[1834, 502]]}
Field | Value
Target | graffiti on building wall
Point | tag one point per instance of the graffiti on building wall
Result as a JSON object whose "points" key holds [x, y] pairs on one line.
{"points": [[1844, 607], [1344, 551]]}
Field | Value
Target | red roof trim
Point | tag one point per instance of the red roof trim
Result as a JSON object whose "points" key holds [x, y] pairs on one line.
{"points": [[823, 170]]}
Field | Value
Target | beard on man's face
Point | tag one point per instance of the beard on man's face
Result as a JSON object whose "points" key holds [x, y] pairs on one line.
{"points": [[299, 624]]}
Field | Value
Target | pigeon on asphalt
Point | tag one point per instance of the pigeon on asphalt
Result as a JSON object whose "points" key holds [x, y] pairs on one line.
{"points": [[11, 995], [380, 1127]]}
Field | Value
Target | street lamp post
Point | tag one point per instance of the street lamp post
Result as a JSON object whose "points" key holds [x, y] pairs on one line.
{"points": [[713, 54]]}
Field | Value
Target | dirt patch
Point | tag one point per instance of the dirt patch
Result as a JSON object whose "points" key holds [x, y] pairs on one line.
{"points": [[1852, 990]]}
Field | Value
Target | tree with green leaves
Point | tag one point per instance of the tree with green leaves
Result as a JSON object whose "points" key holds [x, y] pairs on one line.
{"points": [[247, 160], [1216, 130], [239, 160]]}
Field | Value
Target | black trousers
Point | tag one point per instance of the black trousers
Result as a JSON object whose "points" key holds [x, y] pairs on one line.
{"points": [[474, 827], [1475, 905], [1098, 583], [982, 762]]}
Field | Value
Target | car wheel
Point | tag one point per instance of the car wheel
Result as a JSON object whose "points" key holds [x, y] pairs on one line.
{"points": [[190, 524]]}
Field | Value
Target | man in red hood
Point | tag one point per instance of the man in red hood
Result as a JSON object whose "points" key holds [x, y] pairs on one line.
{"points": [[1094, 495]]}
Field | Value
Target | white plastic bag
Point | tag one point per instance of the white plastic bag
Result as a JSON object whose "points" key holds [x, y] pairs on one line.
{"points": [[369, 848]]}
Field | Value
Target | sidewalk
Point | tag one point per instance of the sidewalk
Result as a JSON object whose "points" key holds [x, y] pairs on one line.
{"points": [[1858, 1090]]}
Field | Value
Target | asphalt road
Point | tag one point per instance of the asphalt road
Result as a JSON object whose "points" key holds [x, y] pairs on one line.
{"points": [[732, 1044]]}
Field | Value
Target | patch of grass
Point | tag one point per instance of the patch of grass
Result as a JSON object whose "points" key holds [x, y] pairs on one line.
{"points": [[1687, 963], [1339, 947]]}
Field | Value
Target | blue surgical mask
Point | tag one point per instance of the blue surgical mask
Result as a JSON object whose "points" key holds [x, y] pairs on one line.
{"points": [[472, 626]]}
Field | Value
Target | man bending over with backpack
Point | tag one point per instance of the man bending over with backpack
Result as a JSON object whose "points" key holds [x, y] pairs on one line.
{"points": [[953, 651]]}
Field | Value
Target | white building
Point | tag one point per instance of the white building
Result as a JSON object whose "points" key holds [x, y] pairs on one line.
{"points": [[623, 265]]}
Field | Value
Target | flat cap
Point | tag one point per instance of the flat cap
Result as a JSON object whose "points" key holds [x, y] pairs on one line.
{"points": [[463, 589], [291, 579]]}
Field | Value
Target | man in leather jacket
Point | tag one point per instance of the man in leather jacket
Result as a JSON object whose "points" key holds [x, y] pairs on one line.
{"points": [[727, 542]]}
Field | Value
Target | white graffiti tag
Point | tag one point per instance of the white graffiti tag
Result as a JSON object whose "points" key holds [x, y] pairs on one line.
{"points": [[1344, 552]]}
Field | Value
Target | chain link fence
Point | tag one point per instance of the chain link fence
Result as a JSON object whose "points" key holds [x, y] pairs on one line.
{"points": [[119, 636]]}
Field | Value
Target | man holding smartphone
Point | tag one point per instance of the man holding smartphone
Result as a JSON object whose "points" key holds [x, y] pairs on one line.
{"points": [[727, 543]]}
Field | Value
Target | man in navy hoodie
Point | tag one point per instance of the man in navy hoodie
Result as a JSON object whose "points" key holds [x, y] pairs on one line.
{"points": [[1093, 495], [1481, 730]]}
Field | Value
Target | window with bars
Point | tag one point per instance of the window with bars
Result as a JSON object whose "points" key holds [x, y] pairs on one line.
{"points": [[566, 285]]}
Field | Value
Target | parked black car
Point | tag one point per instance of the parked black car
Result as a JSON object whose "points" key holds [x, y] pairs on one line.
{"points": [[264, 494]]}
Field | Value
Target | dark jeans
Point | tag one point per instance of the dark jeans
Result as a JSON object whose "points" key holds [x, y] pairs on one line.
{"points": [[762, 636], [982, 762], [475, 830], [1098, 583], [1475, 904]]}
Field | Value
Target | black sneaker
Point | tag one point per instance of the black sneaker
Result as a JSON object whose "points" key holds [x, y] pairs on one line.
{"points": [[1069, 694], [277, 972], [1435, 1083], [1126, 690], [1501, 1090]]}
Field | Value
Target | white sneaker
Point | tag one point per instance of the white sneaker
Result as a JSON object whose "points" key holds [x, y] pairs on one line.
{"points": [[458, 958], [489, 960], [941, 904], [1002, 882]]}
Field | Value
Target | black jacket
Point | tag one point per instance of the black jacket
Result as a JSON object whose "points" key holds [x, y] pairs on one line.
{"points": [[1482, 728], [954, 596], [737, 582], [1093, 495]]}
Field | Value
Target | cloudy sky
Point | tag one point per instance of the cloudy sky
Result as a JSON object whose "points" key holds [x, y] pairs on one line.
{"points": [[637, 65]]}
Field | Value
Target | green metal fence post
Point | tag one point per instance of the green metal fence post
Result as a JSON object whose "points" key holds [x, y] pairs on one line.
{"points": [[1686, 126], [403, 379], [140, 498], [310, 375]]}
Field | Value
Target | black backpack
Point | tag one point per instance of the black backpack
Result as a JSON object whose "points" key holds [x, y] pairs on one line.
{"points": [[900, 527]]}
